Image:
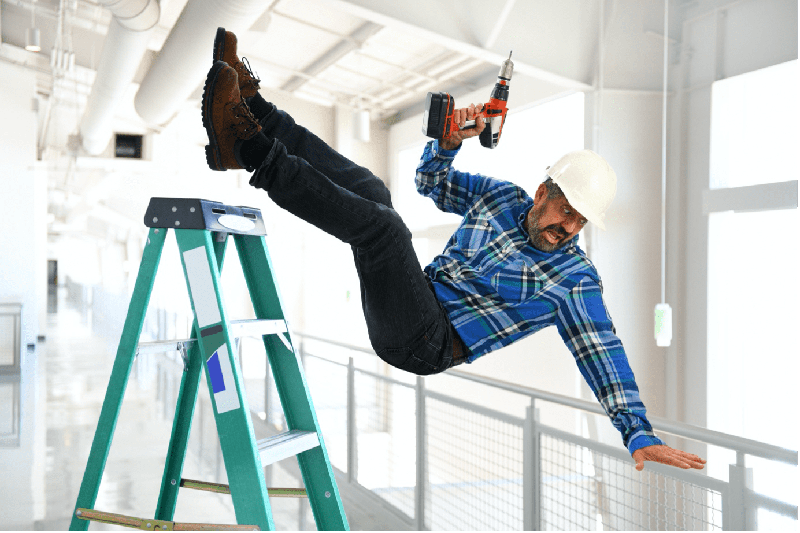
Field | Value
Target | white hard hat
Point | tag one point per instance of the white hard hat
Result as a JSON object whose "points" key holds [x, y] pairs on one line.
{"points": [[588, 182]]}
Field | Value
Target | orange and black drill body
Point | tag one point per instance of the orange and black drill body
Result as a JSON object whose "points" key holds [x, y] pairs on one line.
{"points": [[439, 121]]}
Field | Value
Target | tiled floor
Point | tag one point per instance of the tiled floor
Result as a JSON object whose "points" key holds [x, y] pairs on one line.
{"points": [[60, 393]]}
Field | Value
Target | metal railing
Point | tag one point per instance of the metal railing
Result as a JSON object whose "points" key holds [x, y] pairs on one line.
{"points": [[443, 462]]}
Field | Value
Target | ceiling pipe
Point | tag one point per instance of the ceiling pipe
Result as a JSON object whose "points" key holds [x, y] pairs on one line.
{"points": [[344, 47], [186, 55], [125, 44]]}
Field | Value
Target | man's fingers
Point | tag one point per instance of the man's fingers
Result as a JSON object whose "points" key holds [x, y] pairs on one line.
{"points": [[668, 456], [682, 460], [459, 115], [692, 460]]}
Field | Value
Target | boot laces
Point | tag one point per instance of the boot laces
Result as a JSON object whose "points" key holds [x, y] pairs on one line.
{"points": [[243, 120], [246, 66]]}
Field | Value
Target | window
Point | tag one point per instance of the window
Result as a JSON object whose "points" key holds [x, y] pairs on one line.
{"points": [[753, 254], [754, 132]]}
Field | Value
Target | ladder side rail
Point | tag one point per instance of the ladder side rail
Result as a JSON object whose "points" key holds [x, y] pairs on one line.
{"points": [[184, 413], [123, 362], [290, 382], [231, 412]]}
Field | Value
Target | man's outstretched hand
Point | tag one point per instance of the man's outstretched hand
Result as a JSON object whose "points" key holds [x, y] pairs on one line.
{"points": [[461, 117], [661, 453]]}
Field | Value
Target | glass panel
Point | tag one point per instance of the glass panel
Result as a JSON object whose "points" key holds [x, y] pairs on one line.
{"points": [[9, 414], [7, 411], [8, 335], [754, 133], [752, 354]]}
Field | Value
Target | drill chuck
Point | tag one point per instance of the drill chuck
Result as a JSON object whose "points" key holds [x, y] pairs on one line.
{"points": [[507, 68]]}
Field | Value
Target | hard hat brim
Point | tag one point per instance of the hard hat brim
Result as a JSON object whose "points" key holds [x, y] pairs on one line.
{"points": [[582, 207]]}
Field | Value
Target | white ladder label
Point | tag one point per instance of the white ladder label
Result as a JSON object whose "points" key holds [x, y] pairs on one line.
{"points": [[201, 286]]}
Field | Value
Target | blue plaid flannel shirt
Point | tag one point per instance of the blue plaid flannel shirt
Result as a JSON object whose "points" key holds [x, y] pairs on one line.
{"points": [[497, 288]]}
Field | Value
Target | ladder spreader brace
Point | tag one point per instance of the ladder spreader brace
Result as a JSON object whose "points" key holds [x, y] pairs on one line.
{"points": [[202, 228]]}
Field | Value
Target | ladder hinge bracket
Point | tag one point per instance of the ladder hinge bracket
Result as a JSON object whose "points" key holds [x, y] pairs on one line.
{"points": [[184, 351]]}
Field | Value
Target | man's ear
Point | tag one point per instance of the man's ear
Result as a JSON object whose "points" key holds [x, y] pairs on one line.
{"points": [[541, 194]]}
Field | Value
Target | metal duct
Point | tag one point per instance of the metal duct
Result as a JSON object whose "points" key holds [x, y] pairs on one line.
{"points": [[125, 44], [186, 55]]}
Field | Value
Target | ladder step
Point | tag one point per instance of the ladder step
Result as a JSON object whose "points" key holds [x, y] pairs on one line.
{"points": [[238, 329], [274, 449], [148, 524], [221, 488], [256, 328]]}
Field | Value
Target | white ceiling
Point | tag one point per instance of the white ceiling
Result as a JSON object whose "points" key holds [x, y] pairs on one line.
{"points": [[379, 54], [386, 55]]}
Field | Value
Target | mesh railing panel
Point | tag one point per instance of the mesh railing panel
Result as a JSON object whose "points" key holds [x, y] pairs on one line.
{"points": [[475, 470], [584, 489], [385, 415], [328, 385]]}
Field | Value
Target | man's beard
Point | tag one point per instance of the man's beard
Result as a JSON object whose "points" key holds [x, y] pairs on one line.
{"points": [[536, 233]]}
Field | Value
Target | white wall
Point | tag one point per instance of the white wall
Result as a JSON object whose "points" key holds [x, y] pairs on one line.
{"points": [[23, 268], [23, 279], [627, 253]]}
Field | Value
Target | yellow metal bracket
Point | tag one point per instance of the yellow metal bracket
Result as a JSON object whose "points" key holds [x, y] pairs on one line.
{"points": [[225, 489], [147, 524]]}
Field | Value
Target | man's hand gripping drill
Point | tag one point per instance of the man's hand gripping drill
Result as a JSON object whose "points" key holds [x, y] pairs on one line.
{"points": [[441, 121]]}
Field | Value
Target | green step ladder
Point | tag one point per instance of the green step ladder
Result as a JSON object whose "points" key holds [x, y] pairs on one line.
{"points": [[202, 228]]}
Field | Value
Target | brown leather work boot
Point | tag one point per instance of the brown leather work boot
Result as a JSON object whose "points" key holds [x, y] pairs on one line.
{"points": [[225, 50], [226, 118]]}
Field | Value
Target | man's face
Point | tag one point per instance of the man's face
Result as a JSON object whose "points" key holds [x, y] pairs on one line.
{"points": [[551, 222]]}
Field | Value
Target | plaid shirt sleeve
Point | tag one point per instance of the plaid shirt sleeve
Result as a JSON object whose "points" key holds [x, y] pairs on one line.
{"points": [[586, 328], [451, 190]]}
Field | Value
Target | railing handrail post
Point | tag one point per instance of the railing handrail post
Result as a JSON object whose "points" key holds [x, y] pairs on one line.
{"points": [[737, 512], [352, 429], [531, 470], [421, 456]]}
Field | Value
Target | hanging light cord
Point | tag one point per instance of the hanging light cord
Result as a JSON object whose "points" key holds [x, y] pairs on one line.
{"points": [[664, 161]]}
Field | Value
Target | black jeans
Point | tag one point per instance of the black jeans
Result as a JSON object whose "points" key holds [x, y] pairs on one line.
{"points": [[407, 326]]}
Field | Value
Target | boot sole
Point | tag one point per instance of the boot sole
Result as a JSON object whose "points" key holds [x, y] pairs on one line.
{"points": [[219, 44], [213, 155]]}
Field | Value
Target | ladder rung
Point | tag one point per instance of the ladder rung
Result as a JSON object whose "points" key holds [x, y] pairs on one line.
{"points": [[221, 488], [148, 524], [163, 346], [274, 449], [256, 328], [238, 329]]}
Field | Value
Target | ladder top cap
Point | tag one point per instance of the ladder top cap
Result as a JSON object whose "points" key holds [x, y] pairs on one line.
{"points": [[196, 213]]}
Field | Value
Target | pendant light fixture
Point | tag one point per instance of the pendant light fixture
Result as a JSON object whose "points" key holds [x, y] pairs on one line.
{"points": [[32, 41]]}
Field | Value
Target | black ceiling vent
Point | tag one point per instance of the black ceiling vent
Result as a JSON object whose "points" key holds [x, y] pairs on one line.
{"points": [[129, 146]]}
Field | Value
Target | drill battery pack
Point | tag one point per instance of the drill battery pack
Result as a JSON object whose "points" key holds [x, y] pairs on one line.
{"points": [[438, 117]]}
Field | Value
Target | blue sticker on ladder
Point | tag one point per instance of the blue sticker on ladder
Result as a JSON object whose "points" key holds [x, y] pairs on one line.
{"points": [[223, 382], [215, 373]]}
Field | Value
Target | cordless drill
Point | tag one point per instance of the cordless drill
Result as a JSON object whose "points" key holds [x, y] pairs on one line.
{"points": [[438, 121]]}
